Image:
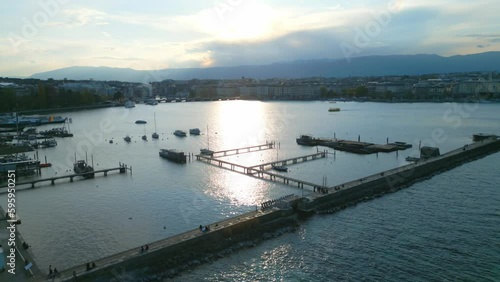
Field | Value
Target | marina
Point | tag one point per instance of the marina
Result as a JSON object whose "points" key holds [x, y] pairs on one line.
{"points": [[255, 223], [193, 180]]}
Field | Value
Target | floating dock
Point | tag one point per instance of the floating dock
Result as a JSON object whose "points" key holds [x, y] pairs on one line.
{"points": [[352, 146]]}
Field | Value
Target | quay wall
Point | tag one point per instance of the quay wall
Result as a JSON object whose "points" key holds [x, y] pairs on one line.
{"points": [[195, 247], [394, 179]]}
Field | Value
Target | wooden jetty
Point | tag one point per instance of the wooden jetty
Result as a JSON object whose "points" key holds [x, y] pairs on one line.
{"points": [[122, 168], [290, 161], [258, 171], [230, 152]]}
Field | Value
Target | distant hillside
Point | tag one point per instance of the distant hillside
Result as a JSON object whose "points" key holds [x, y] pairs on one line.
{"points": [[361, 66]]}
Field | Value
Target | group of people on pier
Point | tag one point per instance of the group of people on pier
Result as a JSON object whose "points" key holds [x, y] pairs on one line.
{"points": [[144, 248], [322, 190], [205, 228], [53, 273]]}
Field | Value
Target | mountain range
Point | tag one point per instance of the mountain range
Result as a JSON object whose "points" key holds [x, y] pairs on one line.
{"points": [[359, 66]]}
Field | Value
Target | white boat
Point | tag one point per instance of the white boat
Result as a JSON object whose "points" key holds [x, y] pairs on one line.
{"points": [[155, 135], [180, 133], [194, 131], [129, 104]]}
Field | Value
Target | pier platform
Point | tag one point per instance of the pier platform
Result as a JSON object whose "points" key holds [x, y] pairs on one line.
{"points": [[249, 149], [182, 246]]}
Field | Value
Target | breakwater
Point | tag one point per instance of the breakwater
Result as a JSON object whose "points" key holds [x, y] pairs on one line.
{"points": [[195, 247], [391, 180], [191, 248]]}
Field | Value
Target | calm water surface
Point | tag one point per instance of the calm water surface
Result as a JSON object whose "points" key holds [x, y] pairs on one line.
{"points": [[72, 223]]}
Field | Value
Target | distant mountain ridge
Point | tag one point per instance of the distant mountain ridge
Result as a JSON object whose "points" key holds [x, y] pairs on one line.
{"points": [[359, 66]]}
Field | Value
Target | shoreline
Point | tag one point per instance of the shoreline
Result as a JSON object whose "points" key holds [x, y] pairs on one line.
{"points": [[337, 100]]}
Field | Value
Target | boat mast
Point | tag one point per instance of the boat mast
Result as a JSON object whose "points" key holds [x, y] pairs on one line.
{"points": [[208, 139], [155, 121]]}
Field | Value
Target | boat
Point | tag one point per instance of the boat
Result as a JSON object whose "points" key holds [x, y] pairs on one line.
{"points": [[194, 131], [180, 133], [412, 159], [48, 143], [281, 168], [23, 121], [307, 140], [151, 102], [155, 135], [334, 110], [57, 132], [173, 155], [482, 136], [46, 165], [127, 139], [129, 104], [81, 167], [144, 137], [207, 151], [140, 121]]}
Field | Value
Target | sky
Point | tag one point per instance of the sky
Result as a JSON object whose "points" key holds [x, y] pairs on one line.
{"points": [[43, 35]]}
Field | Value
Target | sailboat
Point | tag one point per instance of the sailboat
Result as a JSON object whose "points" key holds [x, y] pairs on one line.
{"points": [[207, 151], [144, 137], [279, 167], [155, 135]]}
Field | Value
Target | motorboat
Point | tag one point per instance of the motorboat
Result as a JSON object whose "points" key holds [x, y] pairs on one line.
{"points": [[151, 102], [280, 168], [127, 139], [81, 167], [180, 133], [140, 121], [194, 131], [173, 155], [334, 110]]}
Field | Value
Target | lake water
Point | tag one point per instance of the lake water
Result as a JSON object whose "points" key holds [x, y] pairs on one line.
{"points": [[448, 224]]}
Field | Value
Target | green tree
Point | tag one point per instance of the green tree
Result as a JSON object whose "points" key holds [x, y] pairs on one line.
{"points": [[41, 97], [323, 92]]}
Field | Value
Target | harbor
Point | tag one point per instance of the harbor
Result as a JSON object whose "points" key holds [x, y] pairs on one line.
{"points": [[250, 226], [181, 197]]}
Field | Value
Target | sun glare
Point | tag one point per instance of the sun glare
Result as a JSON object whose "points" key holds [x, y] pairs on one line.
{"points": [[246, 21]]}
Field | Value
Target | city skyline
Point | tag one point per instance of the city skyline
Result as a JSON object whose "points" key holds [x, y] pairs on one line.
{"points": [[52, 34]]}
